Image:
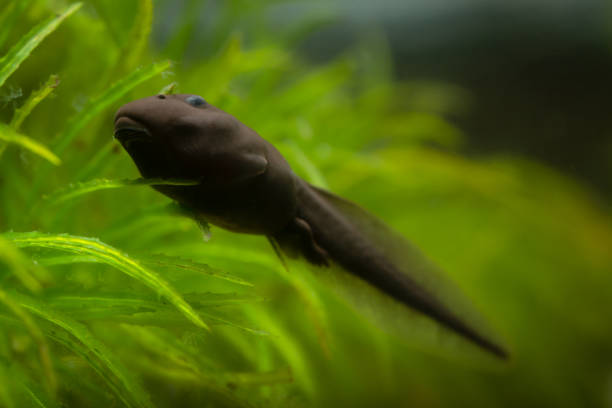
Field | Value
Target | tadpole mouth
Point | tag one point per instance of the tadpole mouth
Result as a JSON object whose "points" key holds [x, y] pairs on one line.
{"points": [[128, 130]]}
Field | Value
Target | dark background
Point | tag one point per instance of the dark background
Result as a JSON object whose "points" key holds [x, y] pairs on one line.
{"points": [[538, 73]]}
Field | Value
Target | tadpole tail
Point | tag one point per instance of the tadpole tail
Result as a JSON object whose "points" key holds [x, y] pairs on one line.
{"points": [[347, 233]]}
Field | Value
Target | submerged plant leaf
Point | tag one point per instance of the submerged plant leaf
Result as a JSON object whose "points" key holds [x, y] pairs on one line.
{"points": [[95, 164], [122, 383], [168, 347], [66, 260], [181, 263], [43, 349], [9, 17], [139, 37], [34, 99], [36, 396], [312, 174], [113, 304], [77, 189], [309, 297], [19, 264], [111, 256], [8, 135], [185, 364], [6, 397], [20, 51], [169, 89], [107, 98]]}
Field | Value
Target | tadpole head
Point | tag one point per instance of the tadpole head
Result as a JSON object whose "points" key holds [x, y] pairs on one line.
{"points": [[155, 132]]}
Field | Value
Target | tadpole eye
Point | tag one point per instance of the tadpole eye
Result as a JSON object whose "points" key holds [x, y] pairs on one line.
{"points": [[195, 100]]}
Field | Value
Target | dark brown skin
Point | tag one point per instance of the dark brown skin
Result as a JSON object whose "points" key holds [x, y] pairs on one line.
{"points": [[245, 185]]}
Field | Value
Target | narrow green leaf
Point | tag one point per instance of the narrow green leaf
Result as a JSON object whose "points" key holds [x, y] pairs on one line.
{"points": [[8, 135], [290, 347], [142, 310], [180, 263], [97, 163], [106, 99], [35, 98], [165, 345], [111, 256], [126, 388], [19, 265], [251, 379], [185, 363], [66, 259], [302, 160], [78, 189], [224, 396], [6, 398], [169, 89], [36, 333], [20, 51], [118, 304], [37, 396], [138, 38], [215, 319], [10, 15], [107, 307], [308, 296], [147, 218]]}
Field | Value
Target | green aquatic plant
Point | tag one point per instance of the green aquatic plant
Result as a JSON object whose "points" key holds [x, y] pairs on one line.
{"points": [[109, 295]]}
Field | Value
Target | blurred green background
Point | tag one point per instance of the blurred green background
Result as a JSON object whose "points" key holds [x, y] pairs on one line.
{"points": [[495, 163]]}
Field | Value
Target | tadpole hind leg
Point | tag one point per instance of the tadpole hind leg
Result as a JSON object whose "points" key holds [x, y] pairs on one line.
{"points": [[296, 239]]}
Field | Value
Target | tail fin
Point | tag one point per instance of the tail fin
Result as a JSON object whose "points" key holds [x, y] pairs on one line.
{"points": [[339, 230]]}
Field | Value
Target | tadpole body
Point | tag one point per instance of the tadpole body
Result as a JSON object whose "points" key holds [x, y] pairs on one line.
{"points": [[245, 185]]}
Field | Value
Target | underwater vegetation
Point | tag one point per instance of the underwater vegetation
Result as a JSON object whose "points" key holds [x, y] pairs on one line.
{"points": [[111, 296]]}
